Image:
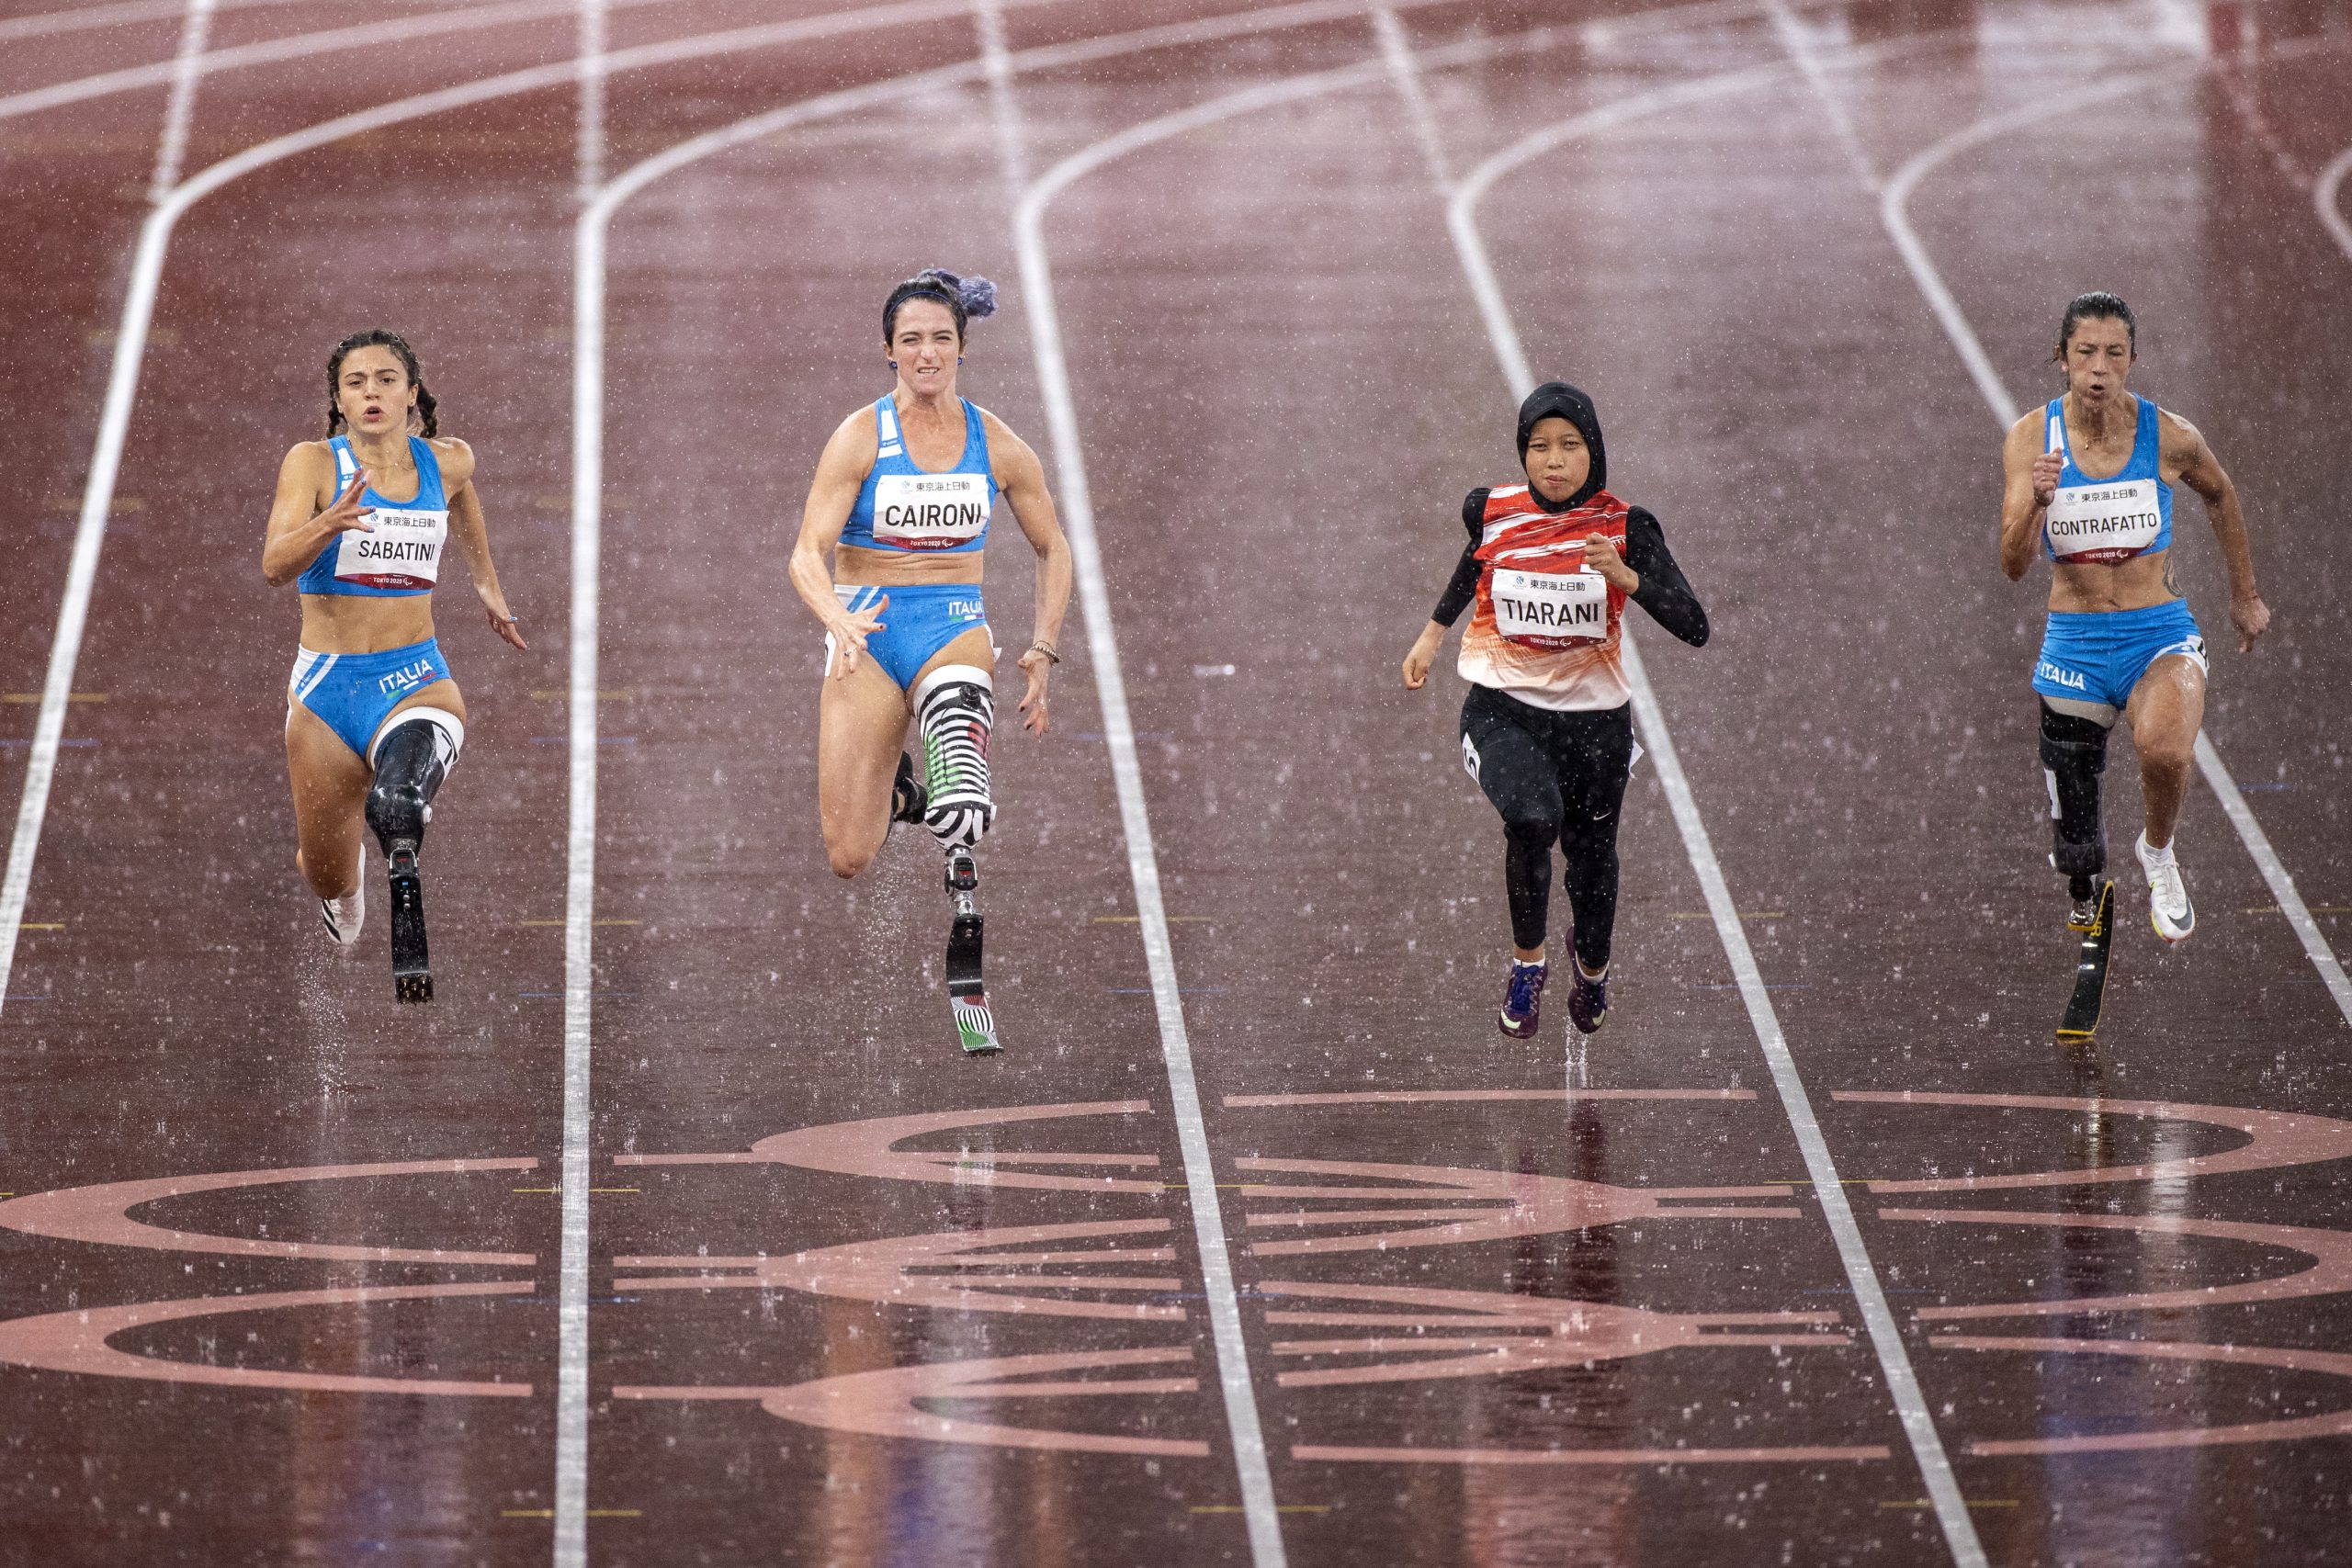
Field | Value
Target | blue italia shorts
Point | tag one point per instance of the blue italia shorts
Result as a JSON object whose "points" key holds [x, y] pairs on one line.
{"points": [[2099, 656], [920, 619], [353, 693]]}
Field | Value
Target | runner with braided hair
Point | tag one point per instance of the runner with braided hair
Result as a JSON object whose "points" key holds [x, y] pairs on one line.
{"points": [[902, 500]]}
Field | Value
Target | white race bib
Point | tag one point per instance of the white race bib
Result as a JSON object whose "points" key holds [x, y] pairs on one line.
{"points": [[1549, 611], [403, 550], [2110, 522], [930, 512]]}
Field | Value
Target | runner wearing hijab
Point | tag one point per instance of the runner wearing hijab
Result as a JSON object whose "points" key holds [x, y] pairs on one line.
{"points": [[1548, 729]]}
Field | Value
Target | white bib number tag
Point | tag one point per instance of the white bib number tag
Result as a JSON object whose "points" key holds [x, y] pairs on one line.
{"points": [[930, 512], [2110, 522], [402, 549], [1551, 611]]}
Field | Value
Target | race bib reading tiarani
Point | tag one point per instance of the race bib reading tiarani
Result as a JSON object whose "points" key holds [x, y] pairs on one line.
{"points": [[1544, 610], [930, 512], [403, 550], [2108, 522]]}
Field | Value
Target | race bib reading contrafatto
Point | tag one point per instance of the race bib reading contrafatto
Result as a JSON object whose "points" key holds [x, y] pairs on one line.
{"points": [[2108, 522]]}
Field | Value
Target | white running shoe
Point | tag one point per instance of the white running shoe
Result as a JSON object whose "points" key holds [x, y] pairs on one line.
{"points": [[2168, 909], [345, 916]]}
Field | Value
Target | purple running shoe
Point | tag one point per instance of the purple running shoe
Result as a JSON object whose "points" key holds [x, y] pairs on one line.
{"points": [[1523, 1003], [1587, 1000]]}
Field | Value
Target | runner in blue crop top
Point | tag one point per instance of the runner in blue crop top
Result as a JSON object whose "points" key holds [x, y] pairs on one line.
{"points": [[2090, 482], [888, 560], [360, 526]]}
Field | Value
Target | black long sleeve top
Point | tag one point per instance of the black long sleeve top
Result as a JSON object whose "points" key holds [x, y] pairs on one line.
{"points": [[1664, 592]]}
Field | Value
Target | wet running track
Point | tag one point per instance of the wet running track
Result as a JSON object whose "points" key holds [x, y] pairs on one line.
{"points": [[1259, 1245]]}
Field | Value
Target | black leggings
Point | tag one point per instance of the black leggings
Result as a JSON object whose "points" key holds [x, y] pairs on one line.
{"points": [[1556, 777]]}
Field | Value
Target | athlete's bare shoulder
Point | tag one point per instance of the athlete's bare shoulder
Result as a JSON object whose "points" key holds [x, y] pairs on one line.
{"points": [[2178, 438], [1007, 451], [308, 466], [457, 460], [2024, 441]]}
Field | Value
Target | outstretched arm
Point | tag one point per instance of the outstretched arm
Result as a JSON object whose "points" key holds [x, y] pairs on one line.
{"points": [[1460, 589], [2202, 472], [1021, 478]]}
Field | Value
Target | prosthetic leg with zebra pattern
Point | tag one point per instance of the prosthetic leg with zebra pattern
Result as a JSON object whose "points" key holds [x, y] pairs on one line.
{"points": [[955, 706]]}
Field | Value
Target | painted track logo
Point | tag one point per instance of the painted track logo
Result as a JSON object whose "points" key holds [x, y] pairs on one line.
{"points": [[1312, 1223]]}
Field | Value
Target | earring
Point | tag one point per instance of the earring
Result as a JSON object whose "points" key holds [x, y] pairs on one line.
{"points": [[959, 360], [894, 365]]}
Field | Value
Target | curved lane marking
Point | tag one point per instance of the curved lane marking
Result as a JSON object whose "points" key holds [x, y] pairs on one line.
{"points": [[882, 1404], [868, 1147], [2327, 198], [131, 11], [2276, 1138], [75, 1341], [2332, 1363], [99, 1215], [2328, 1273]]}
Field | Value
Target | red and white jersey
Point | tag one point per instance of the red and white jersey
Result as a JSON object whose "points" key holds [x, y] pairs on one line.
{"points": [[1546, 627]]}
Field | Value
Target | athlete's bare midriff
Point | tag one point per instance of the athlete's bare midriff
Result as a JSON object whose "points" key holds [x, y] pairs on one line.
{"points": [[855, 565], [2076, 587], [351, 622]]}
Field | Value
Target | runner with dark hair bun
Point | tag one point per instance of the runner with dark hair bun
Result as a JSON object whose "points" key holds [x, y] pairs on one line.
{"points": [[2090, 478], [1548, 728], [902, 500], [373, 721]]}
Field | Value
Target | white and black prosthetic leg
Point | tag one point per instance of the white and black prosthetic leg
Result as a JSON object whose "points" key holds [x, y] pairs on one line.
{"points": [[955, 706], [412, 756]]}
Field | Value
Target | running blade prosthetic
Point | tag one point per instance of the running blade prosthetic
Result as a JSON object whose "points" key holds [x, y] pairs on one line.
{"points": [[411, 969], [2095, 919], [967, 997]]}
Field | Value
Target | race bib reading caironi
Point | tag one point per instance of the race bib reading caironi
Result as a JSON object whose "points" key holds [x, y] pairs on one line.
{"points": [[930, 512], [1548, 611], [403, 550]]}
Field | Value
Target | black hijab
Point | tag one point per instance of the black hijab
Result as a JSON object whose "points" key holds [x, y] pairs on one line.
{"points": [[1558, 400]]}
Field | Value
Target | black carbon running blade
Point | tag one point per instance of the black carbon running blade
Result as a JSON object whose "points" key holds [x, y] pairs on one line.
{"points": [[2081, 1021], [412, 968], [966, 995]]}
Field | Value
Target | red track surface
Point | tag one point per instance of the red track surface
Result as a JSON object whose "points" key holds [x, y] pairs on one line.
{"points": [[1284, 386]]}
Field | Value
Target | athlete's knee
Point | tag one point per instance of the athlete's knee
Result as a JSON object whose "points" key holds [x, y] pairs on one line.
{"points": [[847, 860], [956, 706], [411, 755], [2073, 755], [1532, 822]]}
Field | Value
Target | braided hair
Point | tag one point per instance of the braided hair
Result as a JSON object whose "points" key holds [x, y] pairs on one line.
{"points": [[377, 337], [966, 299], [2099, 304]]}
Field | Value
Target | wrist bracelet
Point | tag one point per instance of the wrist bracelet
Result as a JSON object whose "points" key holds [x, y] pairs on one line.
{"points": [[1042, 646]]}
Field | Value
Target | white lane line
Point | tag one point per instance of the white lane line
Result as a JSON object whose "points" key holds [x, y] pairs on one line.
{"points": [[569, 1547], [137, 313], [2327, 196], [590, 254], [1243, 1421], [297, 46], [1004, 114], [81, 573], [89, 17], [1870, 1296], [1893, 213], [179, 110]]}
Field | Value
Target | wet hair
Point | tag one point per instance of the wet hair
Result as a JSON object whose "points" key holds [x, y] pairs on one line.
{"points": [[967, 298], [377, 337], [2099, 304]]}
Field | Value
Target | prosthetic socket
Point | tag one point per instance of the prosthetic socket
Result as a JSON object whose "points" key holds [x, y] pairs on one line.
{"points": [[2073, 755], [956, 708], [412, 756]]}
